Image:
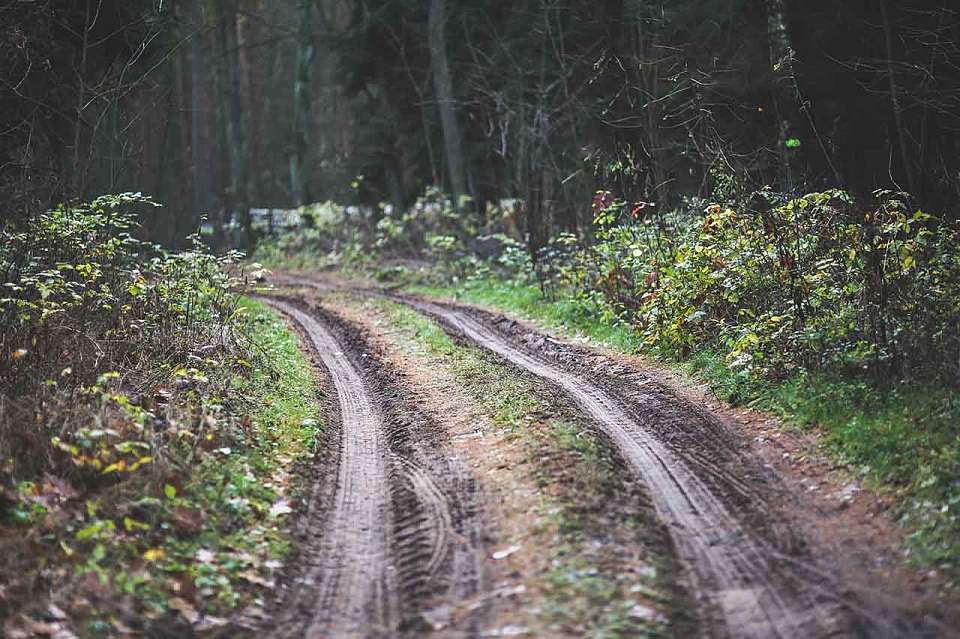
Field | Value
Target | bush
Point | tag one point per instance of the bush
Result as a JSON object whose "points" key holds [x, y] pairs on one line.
{"points": [[88, 309], [142, 417], [784, 285]]}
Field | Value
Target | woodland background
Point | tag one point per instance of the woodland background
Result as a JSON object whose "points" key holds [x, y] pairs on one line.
{"points": [[220, 105]]}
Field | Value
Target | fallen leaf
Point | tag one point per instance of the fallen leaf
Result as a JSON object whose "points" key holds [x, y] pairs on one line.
{"points": [[506, 552], [56, 613], [281, 507], [154, 554], [188, 521], [257, 580], [184, 608], [205, 556], [209, 623]]}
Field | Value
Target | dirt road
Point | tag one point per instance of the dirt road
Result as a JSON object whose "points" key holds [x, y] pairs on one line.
{"points": [[739, 573], [752, 571], [387, 540]]}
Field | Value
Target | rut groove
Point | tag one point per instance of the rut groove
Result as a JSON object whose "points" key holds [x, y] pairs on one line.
{"points": [[393, 533], [351, 573], [730, 565]]}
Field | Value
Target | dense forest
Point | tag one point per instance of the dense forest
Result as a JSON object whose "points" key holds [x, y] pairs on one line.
{"points": [[546, 318], [219, 106]]}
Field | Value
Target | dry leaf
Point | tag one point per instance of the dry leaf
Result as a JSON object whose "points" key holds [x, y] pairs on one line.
{"points": [[506, 552], [184, 608], [282, 507]]}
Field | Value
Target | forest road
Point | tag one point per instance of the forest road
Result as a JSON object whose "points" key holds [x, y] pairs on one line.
{"points": [[395, 525], [753, 578]]}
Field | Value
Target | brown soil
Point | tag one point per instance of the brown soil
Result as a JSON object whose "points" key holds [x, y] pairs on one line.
{"points": [[757, 573], [396, 528]]}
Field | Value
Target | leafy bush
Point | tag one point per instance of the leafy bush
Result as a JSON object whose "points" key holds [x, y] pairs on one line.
{"points": [[783, 285], [83, 300], [130, 404]]}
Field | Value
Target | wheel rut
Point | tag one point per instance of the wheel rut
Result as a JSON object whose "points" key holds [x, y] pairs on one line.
{"points": [[395, 527], [753, 579]]}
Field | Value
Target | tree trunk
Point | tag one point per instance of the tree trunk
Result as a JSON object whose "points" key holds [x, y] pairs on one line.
{"points": [[443, 90], [895, 100], [302, 116], [200, 142], [778, 45], [232, 111]]}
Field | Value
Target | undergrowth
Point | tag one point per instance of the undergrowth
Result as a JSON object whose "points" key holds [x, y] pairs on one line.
{"points": [[149, 421]]}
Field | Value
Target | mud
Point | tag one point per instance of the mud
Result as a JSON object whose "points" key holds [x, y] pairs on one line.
{"points": [[755, 575], [396, 527], [606, 514]]}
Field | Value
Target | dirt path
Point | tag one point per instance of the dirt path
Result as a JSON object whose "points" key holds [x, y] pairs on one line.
{"points": [[734, 521], [755, 578], [353, 586], [399, 527]]}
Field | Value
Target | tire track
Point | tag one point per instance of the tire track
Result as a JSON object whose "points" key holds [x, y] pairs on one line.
{"points": [[401, 527], [739, 575], [350, 578]]}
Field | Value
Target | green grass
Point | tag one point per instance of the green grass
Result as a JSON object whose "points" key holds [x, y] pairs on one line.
{"points": [[903, 440], [243, 492], [566, 314], [507, 397]]}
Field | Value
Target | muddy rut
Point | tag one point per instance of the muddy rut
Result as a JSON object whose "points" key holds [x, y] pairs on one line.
{"points": [[755, 580], [396, 529]]}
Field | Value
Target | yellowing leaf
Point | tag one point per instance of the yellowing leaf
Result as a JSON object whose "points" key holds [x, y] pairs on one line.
{"points": [[133, 524], [115, 467], [140, 462], [154, 554]]}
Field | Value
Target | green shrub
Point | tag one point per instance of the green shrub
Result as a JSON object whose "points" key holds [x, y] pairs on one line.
{"points": [[91, 320], [782, 286]]}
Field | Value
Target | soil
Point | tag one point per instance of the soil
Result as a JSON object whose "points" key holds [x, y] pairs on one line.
{"points": [[770, 537], [396, 527]]}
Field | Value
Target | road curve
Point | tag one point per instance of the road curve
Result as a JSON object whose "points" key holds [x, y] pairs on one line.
{"points": [[352, 582], [733, 568]]}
